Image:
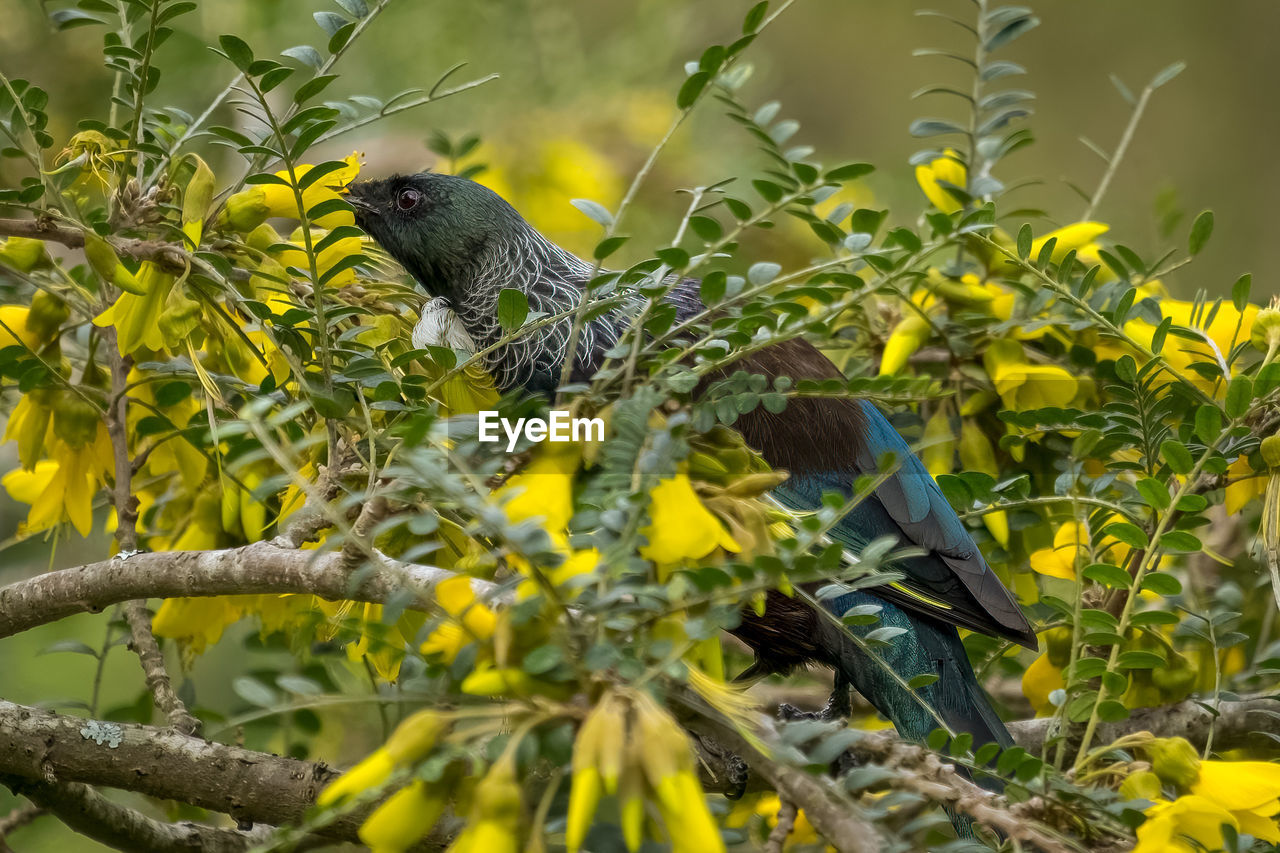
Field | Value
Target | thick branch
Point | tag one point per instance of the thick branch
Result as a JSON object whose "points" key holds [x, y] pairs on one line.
{"points": [[94, 816], [260, 568], [1238, 725], [251, 787]]}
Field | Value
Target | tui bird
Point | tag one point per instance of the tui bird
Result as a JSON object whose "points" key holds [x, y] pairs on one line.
{"points": [[465, 244]]}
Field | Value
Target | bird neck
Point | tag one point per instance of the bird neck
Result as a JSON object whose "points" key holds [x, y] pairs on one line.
{"points": [[553, 281]]}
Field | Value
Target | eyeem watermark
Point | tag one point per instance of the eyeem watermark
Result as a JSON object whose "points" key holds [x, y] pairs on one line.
{"points": [[560, 427]]}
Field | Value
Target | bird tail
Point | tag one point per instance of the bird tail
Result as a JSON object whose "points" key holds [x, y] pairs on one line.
{"points": [[881, 673]]}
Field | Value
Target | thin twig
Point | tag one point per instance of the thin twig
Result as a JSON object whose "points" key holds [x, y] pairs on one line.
{"points": [[786, 822]]}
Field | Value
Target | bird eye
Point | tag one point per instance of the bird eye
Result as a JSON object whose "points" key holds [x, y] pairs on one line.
{"points": [[408, 199]]}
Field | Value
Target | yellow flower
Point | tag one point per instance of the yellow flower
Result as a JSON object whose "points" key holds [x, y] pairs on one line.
{"points": [[542, 180], [197, 623], [327, 258], [977, 454], [1069, 542], [493, 822], [136, 317], [405, 817], [1186, 825], [1250, 790], [1040, 679], [909, 335], [459, 600], [1023, 386], [280, 200], [1213, 343], [1075, 236], [681, 529], [13, 328], [63, 487], [412, 741], [933, 178], [669, 769], [544, 488]]}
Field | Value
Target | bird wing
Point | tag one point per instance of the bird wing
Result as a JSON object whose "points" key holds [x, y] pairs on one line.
{"points": [[951, 580]]}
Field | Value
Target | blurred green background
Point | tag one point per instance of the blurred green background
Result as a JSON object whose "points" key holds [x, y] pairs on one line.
{"points": [[587, 87]]}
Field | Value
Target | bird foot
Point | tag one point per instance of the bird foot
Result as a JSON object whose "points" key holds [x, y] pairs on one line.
{"points": [[838, 707]]}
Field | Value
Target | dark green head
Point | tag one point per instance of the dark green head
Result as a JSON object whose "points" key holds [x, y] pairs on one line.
{"points": [[439, 227]]}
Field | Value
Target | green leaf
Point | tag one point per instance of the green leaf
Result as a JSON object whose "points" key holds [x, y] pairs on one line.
{"points": [[1162, 584], [1176, 455], [1127, 533], [255, 692], [1239, 396], [706, 228], [607, 247], [1025, 238], [692, 88], [1240, 291], [594, 211], [73, 646], [1108, 575], [1180, 540], [1154, 492], [1166, 74], [237, 51], [1201, 230], [763, 272], [513, 309], [1208, 423], [850, 171], [1111, 711], [755, 17], [306, 54]]}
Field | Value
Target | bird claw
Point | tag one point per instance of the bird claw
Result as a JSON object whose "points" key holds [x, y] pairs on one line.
{"points": [[738, 772]]}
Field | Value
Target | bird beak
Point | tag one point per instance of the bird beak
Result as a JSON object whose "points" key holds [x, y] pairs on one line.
{"points": [[359, 203]]}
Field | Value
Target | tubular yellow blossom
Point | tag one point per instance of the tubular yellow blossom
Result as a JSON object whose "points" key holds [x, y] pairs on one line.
{"points": [[416, 736], [493, 822], [1075, 236], [681, 528], [195, 201], [977, 454], [372, 772], [933, 178], [22, 253], [939, 449], [13, 328], [1170, 824], [401, 821], [281, 201], [1060, 561], [1039, 680], [1024, 386], [909, 335], [668, 766]]}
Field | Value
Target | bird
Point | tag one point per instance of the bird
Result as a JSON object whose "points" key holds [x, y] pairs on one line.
{"points": [[465, 244]]}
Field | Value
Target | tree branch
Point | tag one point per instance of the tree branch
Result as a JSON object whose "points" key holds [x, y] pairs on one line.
{"points": [[253, 787], [144, 645], [168, 255], [1239, 724], [260, 568], [94, 816]]}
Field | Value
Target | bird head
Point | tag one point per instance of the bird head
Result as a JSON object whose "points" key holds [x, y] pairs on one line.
{"points": [[439, 227]]}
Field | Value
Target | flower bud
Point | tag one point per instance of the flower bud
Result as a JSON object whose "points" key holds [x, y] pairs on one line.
{"points": [[908, 336], [1175, 761], [401, 821], [106, 263], [1265, 333], [22, 253], [416, 736], [195, 201], [1270, 449], [75, 419], [246, 210], [1143, 785], [48, 313]]}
